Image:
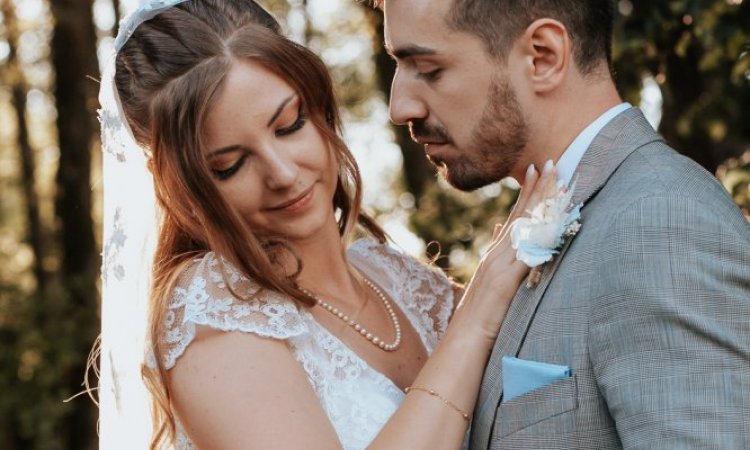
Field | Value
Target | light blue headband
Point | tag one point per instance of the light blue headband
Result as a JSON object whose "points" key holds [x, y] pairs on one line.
{"points": [[145, 11]]}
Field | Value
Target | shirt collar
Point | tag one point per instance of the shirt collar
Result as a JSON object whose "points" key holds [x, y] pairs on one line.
{"points": [[568, 162]]}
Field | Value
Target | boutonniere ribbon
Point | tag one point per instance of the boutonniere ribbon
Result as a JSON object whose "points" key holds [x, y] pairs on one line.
{"points": [[539, 237]]}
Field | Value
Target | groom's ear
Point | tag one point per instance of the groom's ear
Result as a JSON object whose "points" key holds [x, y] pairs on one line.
{"points": [[546, 50]]}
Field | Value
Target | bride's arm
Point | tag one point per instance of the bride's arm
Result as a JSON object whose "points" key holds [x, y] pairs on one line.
{"points": [[241, 391], [455, 368]]}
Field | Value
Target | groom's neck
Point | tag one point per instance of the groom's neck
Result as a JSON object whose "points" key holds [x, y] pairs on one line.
{"points": [[556, 120]]}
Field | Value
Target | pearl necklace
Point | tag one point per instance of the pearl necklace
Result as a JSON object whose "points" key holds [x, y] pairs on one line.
{"points": [[375, 340]]}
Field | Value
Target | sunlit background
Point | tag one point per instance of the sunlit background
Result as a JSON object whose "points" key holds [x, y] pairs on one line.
{"points": [[685, 63]]}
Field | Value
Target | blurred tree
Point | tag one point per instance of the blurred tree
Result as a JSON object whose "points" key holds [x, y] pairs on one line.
{"points": [[48, 321], [419, 174], [73, 317], [15, 301], [14, 79], [117, 8], [735, 175], [698, 51]]}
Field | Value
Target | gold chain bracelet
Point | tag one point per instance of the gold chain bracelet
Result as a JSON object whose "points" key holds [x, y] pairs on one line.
{"points": [[443, 399]]}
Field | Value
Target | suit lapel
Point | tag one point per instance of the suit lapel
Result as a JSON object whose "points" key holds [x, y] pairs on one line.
{"points": [[621, 137], [615, 142], [508, 342]]}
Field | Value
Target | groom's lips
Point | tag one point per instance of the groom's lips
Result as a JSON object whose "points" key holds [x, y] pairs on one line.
{"points": [[431, 148]]}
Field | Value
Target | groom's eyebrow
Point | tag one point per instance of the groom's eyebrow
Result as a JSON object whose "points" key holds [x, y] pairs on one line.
{"points": [[409, 51]]}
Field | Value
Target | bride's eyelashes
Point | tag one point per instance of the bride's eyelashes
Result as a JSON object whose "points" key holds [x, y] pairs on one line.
{"points": [[296, 126], [223, 174]]}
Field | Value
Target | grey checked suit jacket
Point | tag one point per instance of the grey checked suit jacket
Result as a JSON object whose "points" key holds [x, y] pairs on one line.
{"points": [[649, 305]]}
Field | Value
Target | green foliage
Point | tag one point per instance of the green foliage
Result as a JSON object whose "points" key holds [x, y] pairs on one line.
{"points": [[698, 51], [42, 335], [460, 224], [734, 174]]}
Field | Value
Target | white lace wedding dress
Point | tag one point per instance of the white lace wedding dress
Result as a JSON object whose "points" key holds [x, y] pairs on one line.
{"points": [[357, 398]]}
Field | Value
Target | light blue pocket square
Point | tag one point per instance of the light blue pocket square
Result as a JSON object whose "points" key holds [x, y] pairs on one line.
{"points": [[521, 376]]}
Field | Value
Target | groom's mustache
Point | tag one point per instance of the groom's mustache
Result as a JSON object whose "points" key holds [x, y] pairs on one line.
{"points": [[424, 133]]}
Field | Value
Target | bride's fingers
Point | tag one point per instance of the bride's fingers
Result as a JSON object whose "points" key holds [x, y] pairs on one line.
{"points": [[500, 261], [548, 181], [530, 182], [499, 229], [519, 209], [545, 187], [537, 188]]}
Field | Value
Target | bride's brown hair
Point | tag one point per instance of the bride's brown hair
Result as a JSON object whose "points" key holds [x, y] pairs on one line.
{"points": [[167, 76]]}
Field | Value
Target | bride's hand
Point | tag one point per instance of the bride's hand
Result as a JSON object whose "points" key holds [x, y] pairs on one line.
{"points": [[535, 189], [499, 273]]}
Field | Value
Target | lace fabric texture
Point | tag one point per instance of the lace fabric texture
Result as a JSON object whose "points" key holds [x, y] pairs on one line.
{"points": [[357, 398]]}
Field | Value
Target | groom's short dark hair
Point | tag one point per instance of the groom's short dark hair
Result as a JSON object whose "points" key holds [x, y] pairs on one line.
{"points": [[499, 22]]}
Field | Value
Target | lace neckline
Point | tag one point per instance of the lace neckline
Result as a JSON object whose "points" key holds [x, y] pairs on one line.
{"points": [[382, 378], [368, 250], [399, 302]]}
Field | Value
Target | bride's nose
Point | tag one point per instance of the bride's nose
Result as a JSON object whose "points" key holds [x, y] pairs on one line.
{"points": [[280, 169]]}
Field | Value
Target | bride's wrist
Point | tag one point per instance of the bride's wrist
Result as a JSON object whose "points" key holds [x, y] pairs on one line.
{"points": [[468, 344], [470, 326]]}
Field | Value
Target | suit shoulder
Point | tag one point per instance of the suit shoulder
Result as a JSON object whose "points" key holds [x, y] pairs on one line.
{"points": [[658, 171]]}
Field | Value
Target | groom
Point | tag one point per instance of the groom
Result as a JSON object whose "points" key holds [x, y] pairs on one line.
{"points": [[638, 333]]}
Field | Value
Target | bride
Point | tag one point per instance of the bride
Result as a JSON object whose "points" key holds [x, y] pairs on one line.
{"points": [[269, 328]]}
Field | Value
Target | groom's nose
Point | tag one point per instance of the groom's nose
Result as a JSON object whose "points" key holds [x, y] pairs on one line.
{"points": [[405, 105]]}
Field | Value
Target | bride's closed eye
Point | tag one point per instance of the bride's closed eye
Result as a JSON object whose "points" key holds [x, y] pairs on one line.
{"points": [[297, 125], [223, 173], [225, 166]]}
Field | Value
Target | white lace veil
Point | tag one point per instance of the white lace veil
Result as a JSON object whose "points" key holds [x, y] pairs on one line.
{"points": [[130, 228]]}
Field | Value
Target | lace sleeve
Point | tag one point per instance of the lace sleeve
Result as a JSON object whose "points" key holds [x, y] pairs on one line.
{"points": [[422, 290], [202, 297]]}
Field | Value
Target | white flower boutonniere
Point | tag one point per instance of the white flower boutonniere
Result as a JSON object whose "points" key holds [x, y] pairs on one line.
{"points": [[539, 237]]}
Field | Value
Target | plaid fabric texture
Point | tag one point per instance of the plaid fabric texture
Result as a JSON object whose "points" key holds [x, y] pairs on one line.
{"points": [[649, 305]]}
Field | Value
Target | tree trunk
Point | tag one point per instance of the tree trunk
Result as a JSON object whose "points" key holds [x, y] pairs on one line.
{"points": [[74, 59], [35, 235], [15, 79], [682, 93], [116, 6], [419, 174], [308, 31]]}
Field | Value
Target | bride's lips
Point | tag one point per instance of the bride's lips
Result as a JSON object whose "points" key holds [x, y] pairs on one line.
{"points": [[297, 203]]}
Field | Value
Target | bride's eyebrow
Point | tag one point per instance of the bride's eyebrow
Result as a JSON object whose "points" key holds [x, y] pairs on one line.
{"points": [[280, 109], [224, 150]]}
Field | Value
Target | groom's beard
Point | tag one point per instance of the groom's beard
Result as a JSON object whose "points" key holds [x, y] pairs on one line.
{"points": [[495, 146]]}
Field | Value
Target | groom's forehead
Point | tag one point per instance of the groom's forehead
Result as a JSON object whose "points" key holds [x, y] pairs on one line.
{"points": [[416, 23], [412, 12]]}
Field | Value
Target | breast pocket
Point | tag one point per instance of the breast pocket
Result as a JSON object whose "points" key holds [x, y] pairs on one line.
{"points": [[536, 406]]}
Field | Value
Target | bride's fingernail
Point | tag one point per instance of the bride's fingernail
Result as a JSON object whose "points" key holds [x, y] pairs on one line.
{"points": [[548, 166], [530, 171]]}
